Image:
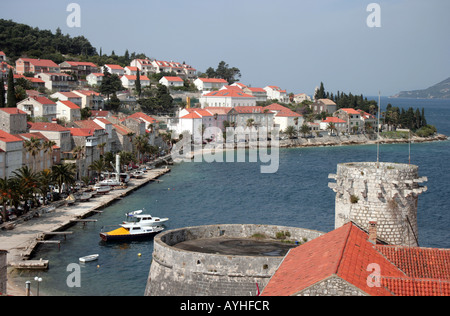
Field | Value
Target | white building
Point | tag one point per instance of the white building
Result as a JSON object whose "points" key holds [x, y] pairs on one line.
{"points": [[227, 98], [275, 93], [38, 107], [11, 153], [145, 66], [115, 69], [68, 96], [129, 82], [95, 79], [68, 110], [209, 84], [57, 81], [339, 124], [284, 117], [172, 81], [299, 98]]}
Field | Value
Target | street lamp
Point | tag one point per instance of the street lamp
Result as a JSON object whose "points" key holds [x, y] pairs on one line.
{"points": [[39, 280]]}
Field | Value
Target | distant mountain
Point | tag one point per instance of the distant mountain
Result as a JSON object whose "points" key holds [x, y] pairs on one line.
{"points": [[438, 91]]}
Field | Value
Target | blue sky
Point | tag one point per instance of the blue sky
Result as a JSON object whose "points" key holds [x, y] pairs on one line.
{"points": [[294, 44]]}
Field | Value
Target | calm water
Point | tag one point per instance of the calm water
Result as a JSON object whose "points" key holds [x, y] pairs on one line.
{"points": [[227, 193]]}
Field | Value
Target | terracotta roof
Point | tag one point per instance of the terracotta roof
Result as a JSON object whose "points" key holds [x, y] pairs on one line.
{"points": [[8, 138], [143, 116], [97, 74], [70, 95], [40, 62], [192, 115], [175, 79], [28, 136], [333, 120], [81, 63], [327, 101], [351, 111], [90, 124], [12, 111], [43, 100], [81, 132], [213, 80], [219, 110], [282, 111], [103, 120], [44, 126], [70, 105], [116, 67], [346, 253], [249, 109], [229, 93], [132, 77]]}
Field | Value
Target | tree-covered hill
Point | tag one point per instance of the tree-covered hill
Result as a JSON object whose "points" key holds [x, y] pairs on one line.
{"points": [[440, 90]]}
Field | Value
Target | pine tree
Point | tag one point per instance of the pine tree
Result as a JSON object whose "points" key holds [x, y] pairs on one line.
{"points": [[2, 93], [11, 96]]}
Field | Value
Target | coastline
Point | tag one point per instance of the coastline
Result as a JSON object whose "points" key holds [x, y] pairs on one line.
{"points": [[22, 240]]}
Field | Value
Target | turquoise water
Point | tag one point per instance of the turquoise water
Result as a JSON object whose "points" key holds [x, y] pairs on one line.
{"points": [[227, 193]]}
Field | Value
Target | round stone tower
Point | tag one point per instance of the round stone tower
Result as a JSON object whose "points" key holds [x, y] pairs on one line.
{"points": [[381, 198]]}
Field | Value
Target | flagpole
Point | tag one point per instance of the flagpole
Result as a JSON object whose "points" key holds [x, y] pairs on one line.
{"points": [[378, 129]]}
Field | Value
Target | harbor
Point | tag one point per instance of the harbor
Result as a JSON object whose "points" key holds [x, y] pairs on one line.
{"points": [[21, 241]]}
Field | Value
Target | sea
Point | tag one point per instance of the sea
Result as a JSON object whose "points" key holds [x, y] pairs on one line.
{"points": [[194, 194]]}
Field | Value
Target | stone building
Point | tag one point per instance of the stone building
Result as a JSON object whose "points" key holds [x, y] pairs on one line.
{"points": [[13, 120], [385, 193]]}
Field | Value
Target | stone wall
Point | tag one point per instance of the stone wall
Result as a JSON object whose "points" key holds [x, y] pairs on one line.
{"points": [[3, 271], [332, 286], [176, 272], [386, 194]]}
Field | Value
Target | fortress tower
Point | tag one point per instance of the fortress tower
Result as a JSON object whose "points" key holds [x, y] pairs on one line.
{"points": [[381, 198]]}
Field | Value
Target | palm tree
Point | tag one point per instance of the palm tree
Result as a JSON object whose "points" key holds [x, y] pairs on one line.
{"points": [[5, 195], [64, 174], [98, 166], [331, 127], [45, 180], [33, 146], [102, 148], [250, 122], [29, 182], [78, 154], [290, 131], [305, 129], [141, 144]]}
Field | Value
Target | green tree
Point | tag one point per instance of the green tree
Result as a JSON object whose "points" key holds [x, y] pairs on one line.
{"points": [[33, 146], [2, 93], [86, 113], [304, 129], [11, 94], [138, 84], [64, 174], [290, 132]]}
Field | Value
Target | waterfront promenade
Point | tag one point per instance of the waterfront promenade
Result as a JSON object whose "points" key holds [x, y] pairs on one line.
{"points": [[21, 241]]}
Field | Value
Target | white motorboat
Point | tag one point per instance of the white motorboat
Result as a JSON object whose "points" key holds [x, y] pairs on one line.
{"points": [[89, 258], [102, 189], [144, 220], [110, 182], [137, 226], [138, 174]]}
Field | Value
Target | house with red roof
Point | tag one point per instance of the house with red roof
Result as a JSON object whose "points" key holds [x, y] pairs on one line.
{"points": [[78, 68], [209, 84], [11, 149], [55, 132], [45, 159], [36, 83], [256, 116], [131, 70], [68, 111], [352, 117], [4, 69], [115, 69], [38, 107], [68, 96], [57, 81], [145, 66], [171, 81], [90, 99], [227, 98], [129, 81], [13, 120], [95, 79], [284, 117], [36, 66], [349, 261], [276, 93], [339, 124]]}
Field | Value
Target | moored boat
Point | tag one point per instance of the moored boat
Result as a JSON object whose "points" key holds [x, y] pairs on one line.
{"points": [[102, 189], [89, 258]]}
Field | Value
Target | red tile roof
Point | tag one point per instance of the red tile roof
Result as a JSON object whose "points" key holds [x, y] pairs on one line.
{"points": [[12, 111], [40, 62], [116, 67], [89, 124], [351, 111], [333, 120], [213, 80], [282, 111], [229, 93], [70, 105], [81, 132], [249, 109], [8, 138], [174, 79], [143, 116], [43, 100], [346, 253], [81, 63], [132, 77], [44, 126]]}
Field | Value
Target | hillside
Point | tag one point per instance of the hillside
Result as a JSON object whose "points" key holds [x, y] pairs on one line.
{"points": [[438, 91]]}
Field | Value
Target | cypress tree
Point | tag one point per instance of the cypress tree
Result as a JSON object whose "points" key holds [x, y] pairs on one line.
{"points": [[138, 83], [11, 96], [424, 121], [2, 93]]}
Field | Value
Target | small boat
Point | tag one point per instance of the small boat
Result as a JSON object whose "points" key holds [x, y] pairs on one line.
{"points": [[85, 197], [137, 217], [70, 200], [102, 189], [110, 182], [89, 258], [130, 232], [137, 226], [138, 174]]}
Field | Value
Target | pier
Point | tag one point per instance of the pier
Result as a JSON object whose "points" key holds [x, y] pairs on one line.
{"points": [[21, 241]]}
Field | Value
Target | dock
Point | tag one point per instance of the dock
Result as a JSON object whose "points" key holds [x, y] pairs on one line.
{"points": [[21, 241]]}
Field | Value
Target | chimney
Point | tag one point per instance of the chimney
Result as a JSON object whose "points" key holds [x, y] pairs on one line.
{"points": [[373, 232]]}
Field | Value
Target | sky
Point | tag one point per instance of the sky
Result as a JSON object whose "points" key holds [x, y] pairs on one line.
{"points": [[293, 44]]}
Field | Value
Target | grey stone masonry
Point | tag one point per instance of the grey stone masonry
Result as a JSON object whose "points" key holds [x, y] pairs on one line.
{"points": [[3, 271], [383, 193]]}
